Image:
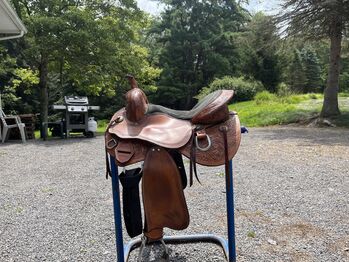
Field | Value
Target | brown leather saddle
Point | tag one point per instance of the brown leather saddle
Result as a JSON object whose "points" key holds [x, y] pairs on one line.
{"points": [[208, 134]]}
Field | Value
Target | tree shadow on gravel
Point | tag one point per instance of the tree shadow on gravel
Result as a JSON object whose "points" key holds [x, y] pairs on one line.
{"points": [[62, 142], [49, 143]]}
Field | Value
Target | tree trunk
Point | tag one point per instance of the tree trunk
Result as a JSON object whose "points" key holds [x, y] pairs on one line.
{"points": [[330, 105], [43, 73]]}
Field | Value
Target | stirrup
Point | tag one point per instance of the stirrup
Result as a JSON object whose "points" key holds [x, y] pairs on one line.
{"points": [[166, 255]]}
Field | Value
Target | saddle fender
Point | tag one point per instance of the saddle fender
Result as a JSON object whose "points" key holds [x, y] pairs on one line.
{"points": [[164, 201]]}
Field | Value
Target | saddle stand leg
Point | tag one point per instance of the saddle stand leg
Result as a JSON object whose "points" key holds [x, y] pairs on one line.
{"points": [[228, 246], [117, 210], [141, 249], [230, 213]]}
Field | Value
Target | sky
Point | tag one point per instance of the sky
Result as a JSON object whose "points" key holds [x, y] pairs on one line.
{"points": [[268, 6]]}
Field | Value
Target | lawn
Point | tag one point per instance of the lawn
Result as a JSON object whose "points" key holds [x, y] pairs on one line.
{"points": [[285, 110]]}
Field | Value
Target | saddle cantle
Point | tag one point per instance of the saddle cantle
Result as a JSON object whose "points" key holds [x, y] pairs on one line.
{"points": [[208, 134]]}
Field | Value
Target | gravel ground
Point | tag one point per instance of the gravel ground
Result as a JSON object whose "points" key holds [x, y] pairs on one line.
{"points": [[291, 195]]}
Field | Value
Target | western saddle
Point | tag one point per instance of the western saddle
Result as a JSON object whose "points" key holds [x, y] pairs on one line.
{"points": [[208, 134]]}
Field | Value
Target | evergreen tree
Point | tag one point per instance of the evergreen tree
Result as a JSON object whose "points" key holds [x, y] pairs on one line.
{"points": [[261, 51], [196, 46], [317, 19], [312, 70], [296, 74]]}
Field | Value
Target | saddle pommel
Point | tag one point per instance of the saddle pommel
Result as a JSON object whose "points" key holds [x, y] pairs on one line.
{"points": [[136, 101], [132, 81]]}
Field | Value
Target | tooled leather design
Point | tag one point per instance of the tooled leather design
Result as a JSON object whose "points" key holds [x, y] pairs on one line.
{"points": [[215, 155]]}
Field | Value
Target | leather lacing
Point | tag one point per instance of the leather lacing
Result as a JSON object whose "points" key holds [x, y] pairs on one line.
{"points": [[224, 130]]}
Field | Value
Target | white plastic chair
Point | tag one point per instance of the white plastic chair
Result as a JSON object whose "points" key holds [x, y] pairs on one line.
{"points": [[6, 128]]}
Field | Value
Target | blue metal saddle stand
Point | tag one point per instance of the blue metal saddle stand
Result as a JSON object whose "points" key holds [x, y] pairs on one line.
{"points": [[229, 247]]}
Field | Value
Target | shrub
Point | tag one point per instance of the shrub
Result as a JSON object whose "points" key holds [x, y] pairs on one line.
{"points": [[283, 89], [244, 89], [264, 96]]}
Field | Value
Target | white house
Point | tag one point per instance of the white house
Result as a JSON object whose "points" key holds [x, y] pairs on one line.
{"points": [[10, 25]]}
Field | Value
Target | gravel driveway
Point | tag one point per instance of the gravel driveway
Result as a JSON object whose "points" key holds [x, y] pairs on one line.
{"points": [[291, 193]]}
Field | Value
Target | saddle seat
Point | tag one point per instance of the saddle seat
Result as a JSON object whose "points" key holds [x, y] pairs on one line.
{"points": [[157, 128], [210, 110]]}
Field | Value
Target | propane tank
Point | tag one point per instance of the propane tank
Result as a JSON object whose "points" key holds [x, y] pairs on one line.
{"points": [[92, 125]]}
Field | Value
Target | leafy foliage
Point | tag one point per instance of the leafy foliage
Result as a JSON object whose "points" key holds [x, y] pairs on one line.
{"points": [[317, 20], [260, 51], [313, 19], [196, 45], [312, 71], [81, 47], [297, 77], [245, 89], [264, 96]]}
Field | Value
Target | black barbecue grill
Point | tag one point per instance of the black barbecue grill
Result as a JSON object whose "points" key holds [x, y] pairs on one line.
{"points": [[76, 115]]}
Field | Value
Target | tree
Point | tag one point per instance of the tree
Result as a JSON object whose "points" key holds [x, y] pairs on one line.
{"points": [[318, 19], [90, 45], [261, 51], [312, 70], [7, 67], [196, 45], [296, 74]]}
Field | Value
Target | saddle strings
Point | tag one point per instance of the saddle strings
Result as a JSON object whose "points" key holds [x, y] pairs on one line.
{"points": [[224, 130], [193, 157], [107, 164]]}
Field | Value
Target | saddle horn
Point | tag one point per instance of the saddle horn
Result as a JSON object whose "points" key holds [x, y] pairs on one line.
{"points": [[131, 79], [136, 101]]}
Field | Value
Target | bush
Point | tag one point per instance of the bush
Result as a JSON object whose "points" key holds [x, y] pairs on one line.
{"points": [[244, 89], [264, 96], [283, 89]]}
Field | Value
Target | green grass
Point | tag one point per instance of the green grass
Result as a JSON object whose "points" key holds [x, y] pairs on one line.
{"points": [[268, 110], [102, 125], [251, 234]]}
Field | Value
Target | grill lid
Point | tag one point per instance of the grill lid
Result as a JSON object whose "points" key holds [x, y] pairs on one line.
{"points": [[76, 100]]}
